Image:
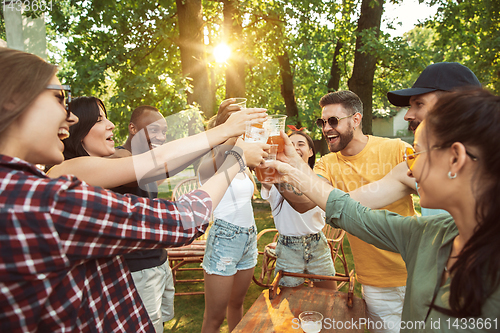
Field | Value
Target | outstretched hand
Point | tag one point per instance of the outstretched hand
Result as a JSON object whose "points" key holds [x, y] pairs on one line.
{"points": [[236, 123]]}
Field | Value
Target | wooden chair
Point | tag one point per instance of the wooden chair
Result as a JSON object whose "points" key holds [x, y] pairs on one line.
{"points": [[268, 260], [335, 238], [188, 254]]}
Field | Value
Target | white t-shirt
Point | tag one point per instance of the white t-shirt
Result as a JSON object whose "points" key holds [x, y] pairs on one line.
{"points": [[288, 221], [236, 204]]}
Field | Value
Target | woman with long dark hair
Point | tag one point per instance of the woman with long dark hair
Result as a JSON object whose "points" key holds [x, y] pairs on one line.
{"points": [[453, 261], [301, 247], [89, 110], [93, 136]]}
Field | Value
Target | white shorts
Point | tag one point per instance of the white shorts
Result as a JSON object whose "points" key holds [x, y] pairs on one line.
{"points": [[384, 307], [156, 288]]}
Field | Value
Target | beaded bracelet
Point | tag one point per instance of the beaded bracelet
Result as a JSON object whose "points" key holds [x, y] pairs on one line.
{"points": [[238, 158]]}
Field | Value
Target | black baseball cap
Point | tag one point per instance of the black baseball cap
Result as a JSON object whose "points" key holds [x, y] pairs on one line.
{"points": [[441, 76]]}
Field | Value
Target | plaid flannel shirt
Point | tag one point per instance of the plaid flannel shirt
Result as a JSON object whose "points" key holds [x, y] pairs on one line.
{"points": [[61, 242]]}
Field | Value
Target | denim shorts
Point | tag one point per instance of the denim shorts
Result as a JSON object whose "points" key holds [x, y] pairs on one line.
{"points": [[230, 248], [308, 254]]}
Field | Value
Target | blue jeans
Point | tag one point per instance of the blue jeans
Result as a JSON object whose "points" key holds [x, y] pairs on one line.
{"points": [[230, 248], [308, 254]]}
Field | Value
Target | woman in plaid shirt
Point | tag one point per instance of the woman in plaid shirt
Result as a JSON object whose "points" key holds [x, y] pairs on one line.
{"points": [[61, 268]]}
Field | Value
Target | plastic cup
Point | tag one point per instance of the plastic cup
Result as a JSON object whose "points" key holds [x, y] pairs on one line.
{"points": [[240, 101], [256, 133], [268, 174], [274, 124], [311, 321]]}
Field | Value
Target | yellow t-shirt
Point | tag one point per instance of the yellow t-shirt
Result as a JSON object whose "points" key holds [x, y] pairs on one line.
{"points": [[374, 267]]}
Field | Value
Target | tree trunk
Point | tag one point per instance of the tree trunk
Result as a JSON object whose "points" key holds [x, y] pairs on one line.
{"points": [[287, 90], [334, 81], [361, 81], [193, 58], [235, 71], [321, 146]]}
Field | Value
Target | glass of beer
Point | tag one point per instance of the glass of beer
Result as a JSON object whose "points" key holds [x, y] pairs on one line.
{"points": [[274, 124], [311, 321], [267, 174]]}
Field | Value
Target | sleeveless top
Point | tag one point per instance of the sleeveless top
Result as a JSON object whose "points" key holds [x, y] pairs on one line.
{"points": [[236, 205]]}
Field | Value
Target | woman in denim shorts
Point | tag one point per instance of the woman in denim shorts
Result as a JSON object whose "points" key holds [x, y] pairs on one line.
{"points": [[302, 247], [231, 248]]}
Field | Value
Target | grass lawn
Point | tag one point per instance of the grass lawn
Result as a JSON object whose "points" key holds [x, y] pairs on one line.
{"points": [[189, 309]]}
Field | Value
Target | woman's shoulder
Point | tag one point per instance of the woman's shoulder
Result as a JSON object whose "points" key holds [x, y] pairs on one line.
{"points": [[66, 167], [434, 225]]}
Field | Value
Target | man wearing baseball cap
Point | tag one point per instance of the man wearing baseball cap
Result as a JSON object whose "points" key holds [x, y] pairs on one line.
{"points": [[435, 80]]}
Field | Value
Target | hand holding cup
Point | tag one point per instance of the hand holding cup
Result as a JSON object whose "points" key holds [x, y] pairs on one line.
{"points": [[228, 107], [237, 122], [254, 153]]}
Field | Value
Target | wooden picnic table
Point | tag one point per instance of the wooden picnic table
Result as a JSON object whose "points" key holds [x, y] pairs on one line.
{"points": [[281, 313]]}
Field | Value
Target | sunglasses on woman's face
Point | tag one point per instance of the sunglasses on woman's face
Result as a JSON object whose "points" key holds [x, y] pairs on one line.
{"points": [[65, 95], [411, 156], [332, 121]]}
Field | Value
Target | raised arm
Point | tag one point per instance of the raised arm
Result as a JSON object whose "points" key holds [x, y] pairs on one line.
{"points": [[300, 202], [108, 173], [394, 186], [384, 229], [294, 197]]}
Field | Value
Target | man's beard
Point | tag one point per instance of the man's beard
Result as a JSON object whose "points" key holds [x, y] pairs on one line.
{"points": [[412, 125], [344, 140]]}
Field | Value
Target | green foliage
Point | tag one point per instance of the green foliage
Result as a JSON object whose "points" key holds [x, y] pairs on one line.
{"points": [[468, 33], [123, 51], [3, 34], [127, 54], [401, 60]]}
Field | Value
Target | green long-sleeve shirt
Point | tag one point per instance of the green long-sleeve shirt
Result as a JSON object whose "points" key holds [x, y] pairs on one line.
{"points": [[425, 244]]}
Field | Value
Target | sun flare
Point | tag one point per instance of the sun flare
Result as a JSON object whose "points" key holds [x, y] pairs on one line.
{"points": [[222, 52]]}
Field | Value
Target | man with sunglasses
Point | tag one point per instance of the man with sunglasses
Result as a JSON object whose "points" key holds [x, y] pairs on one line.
{"points": [[355, 160]]}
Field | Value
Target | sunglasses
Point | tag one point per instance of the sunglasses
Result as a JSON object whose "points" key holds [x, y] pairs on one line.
{"points": [[332, 121], [65, 95], [411, 156]]}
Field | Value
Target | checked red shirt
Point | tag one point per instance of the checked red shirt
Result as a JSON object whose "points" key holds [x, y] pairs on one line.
{"points": [[61, 242]]}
